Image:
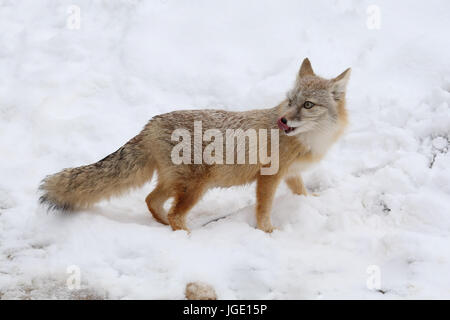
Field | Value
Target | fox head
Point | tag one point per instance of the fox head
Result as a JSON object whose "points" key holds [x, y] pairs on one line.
{"points": [[313, 103]]}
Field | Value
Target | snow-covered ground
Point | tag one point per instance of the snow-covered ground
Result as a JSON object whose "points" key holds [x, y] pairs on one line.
{"points": [[71, 96]]}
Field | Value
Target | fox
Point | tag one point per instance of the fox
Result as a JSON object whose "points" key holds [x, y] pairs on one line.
{"points": [[309, 120]]}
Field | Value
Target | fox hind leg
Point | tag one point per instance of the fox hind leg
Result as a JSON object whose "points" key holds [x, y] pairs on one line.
{"points": [[155, 203], [185, 199]]}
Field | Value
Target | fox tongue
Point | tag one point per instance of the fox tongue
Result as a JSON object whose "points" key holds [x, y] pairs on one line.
{"points": [[282, 125]]}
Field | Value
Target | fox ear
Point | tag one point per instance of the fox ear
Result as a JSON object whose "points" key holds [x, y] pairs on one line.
{"points": [[306, 69], [339, 84]]}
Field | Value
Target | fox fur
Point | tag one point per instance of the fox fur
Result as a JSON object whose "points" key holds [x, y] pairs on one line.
{"points": [[306, 134]]}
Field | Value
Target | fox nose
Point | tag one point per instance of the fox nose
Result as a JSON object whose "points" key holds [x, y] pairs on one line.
{"points": [[284, 120]]}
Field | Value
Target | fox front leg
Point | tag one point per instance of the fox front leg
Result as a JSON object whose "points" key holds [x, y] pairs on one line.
{"points": [[295, 183], [265, 192]]}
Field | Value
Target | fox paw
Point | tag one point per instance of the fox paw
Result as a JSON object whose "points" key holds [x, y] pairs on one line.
{"points": [[267, 228]]}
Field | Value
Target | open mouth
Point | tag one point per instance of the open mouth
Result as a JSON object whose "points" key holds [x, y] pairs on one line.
{"points": [[284, 127]]}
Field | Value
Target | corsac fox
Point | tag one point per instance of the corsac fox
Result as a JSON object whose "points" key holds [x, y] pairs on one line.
{"points": [[305, 125]]}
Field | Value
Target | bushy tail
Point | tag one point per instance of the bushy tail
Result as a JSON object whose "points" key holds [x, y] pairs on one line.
{"points": [[130, 166]]}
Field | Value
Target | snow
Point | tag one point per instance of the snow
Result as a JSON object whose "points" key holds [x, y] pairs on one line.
{"points": [[69, 97]]}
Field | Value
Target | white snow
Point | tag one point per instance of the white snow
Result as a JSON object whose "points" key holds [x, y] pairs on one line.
{"points": [[70, 97]]}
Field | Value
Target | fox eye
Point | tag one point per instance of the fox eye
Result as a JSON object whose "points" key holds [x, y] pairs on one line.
{"points": [[308, 105]]}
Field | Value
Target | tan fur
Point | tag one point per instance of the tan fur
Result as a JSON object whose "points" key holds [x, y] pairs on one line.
{"points": [[296, 185], [130, 166], [134, 163]]}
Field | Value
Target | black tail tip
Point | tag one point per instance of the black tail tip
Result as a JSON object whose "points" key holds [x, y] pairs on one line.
{"points": [[51, 205]]}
